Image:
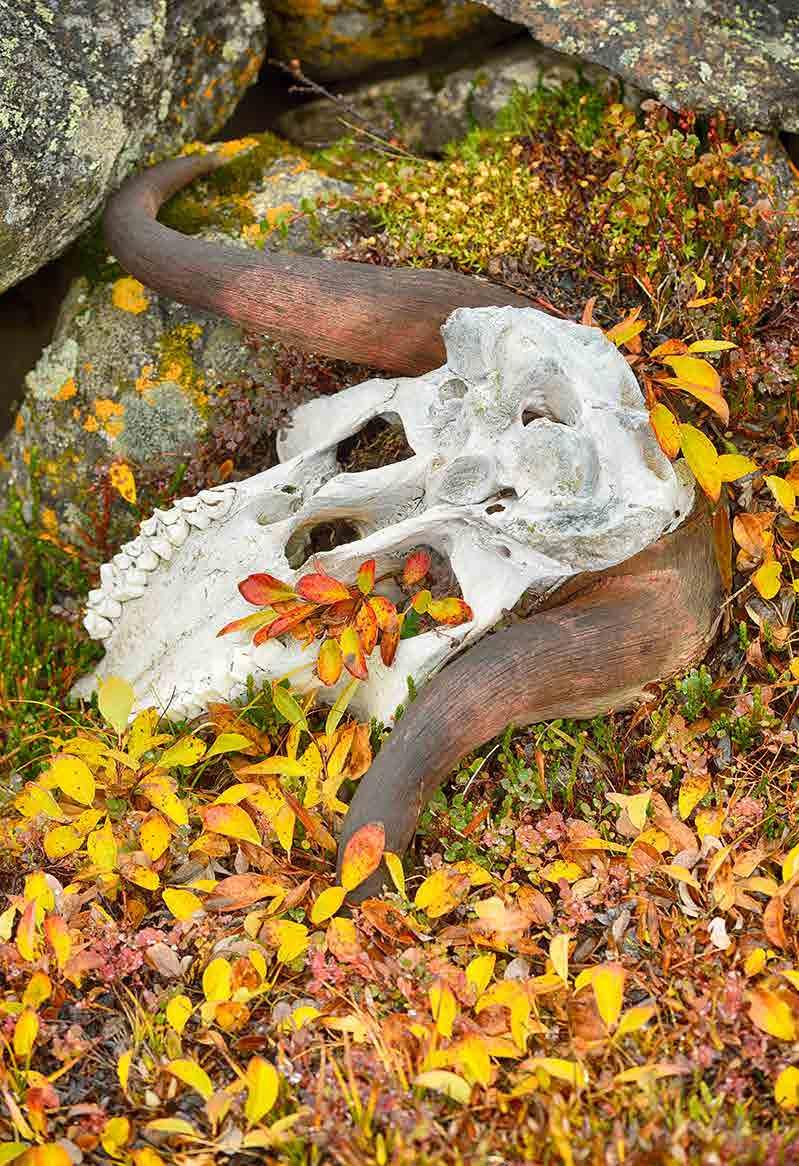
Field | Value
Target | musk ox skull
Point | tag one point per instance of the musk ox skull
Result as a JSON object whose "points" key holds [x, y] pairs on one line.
{"points": [[533, 461]]}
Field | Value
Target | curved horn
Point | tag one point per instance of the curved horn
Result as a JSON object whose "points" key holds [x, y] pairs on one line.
{"points": [[385, 317], [643, 621]]}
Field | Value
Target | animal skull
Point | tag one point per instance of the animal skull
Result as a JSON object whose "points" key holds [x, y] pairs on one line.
{"points": [[534, 461]]}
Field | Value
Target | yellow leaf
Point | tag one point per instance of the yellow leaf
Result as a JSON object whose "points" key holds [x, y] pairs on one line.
{"points": [[755, 962], [635, 1018], [694, 370], [569, 1071], [73, 777], [185, 752], [767, 578], [709, 822], [115, 699], [559, 954], [154, 835], [147, 1157], [702, 459], [217, 981], [290, 938], [560, 869], [734, 465], [182, 904], [783, 492], [786, 1088], [141, 876], [790, 864], [654, 837], [362, 854], [178, 1011], [692, 789], [57, 933], [160, 795], [172, 1125], [608, 985], [394, 864], [33, 800], [60, 841], [115, 1135], [473, 1059], [442, 1081], [635, 805], [626, 330], [232, 822], [441, 891], [228, 743], [26, 1030], [191, 1074], [443, 1007], [667, 430], [262, 1089], [39, 989], [480, 970], [772, 1014], [681, 874], [711, 346], [327, 904], [101, 846], [123, 1068]]}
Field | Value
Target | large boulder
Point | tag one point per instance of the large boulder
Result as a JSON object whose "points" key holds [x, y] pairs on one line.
{"points": [[136, 378], [430, 107], [706, 55], [90, 87], [338, 39]]}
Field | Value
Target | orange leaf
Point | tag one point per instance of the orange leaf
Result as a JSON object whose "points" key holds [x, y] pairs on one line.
{"points": [[722, 545], [670, 348], [285, 621], [667, 430], [748, 531], [385, 612], [416, 567], [773, 1014], [352, 651], [627, 329], [713, 399], [330, 662], [262, 590], [320, 588], [450, 611], [366, 627], [362, 854], [365, 579]]}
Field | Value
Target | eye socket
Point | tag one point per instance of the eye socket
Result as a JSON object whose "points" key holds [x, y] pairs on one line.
{"points": [[531, 415], [380, 442], [318, 537]]}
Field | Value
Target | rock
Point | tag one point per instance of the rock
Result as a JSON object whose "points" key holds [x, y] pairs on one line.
{"points": [[89, 88], [132, 377], [427, 109], [706, 55], [337, 39]]}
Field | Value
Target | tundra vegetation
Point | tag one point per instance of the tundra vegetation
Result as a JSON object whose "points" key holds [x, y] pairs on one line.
{"points": [[590, 955]]}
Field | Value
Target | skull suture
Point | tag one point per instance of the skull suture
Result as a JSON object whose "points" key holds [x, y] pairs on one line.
{"points": [[534, 461]]}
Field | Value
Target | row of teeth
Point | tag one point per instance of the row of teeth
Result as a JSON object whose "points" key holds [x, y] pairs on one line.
{"points": [[126, 576]]}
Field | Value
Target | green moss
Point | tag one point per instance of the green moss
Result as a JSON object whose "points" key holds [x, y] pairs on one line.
{"points": [[41, 653]]}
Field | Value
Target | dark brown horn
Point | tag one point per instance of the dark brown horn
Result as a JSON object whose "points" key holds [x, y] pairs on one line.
{"points": [[645, 620], [385, 317]]}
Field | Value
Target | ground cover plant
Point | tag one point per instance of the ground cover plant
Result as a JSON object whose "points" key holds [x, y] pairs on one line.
{"points": [[590, 955]]}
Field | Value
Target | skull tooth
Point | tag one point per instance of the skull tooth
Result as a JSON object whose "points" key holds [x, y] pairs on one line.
{"points": [[135, 548], [168, 517], [108, 607], [108, 575], [188, 504], [95, 596], [148, 560], [178, 532], [126, 590], [198, 519], [122, 561], [162, 547], [150, 525], [97, 627]]}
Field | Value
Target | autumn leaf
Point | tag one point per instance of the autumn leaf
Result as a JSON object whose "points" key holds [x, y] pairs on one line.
{"points": [[441, 891], [771, 1013], [702, 459], [786, 1088], [352, 654], [178, 1011], [115, 699], [231, 821], [330, 663], [608, 987], [782, 491], [416, 567], [734, 465], [450, 611], [693, 788], [394, 866], [262, 1088], [365, 579], [155, 835], [217, 981], [320, 588], [61, 840], [767, 578], [263, 590], [362, 854], [667, 429], [634, 1019], [182, 904], [185, 752], [73, 777], [191, 1074], [626, 330], [442, 1081], [121, 478], [327, 903], [480, 970], [559, 955]]}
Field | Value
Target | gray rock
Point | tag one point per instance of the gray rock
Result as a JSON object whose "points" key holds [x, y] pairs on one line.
{"points": [[429, 108], [707, 55], [134, 377], [88, 88]]}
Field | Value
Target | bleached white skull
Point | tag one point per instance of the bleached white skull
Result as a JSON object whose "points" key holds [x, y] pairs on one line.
{"points": [[533, 461]]}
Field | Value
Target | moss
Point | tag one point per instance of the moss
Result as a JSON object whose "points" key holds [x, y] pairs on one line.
{"points": [[219, 201], [42, 652]]}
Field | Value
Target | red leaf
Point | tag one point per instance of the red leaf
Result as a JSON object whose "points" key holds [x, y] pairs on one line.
{"points": [[330, 662], [262, 590], [362, 854], [286, 621], [365, 578], [352, 650], [389, 642], [416, 567], [339, 614], [385, 612], [320, 588], [366, 627]]}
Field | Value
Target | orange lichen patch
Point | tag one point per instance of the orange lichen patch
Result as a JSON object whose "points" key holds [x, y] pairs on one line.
{"points": [[232, 148], [19, 423], [105, 408], [49, 519], [26, 456], [88, 366], [67, 390], [278, 215], [91, 425], [252, 233], [146, 379], [114, 428], [129, 295]]}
